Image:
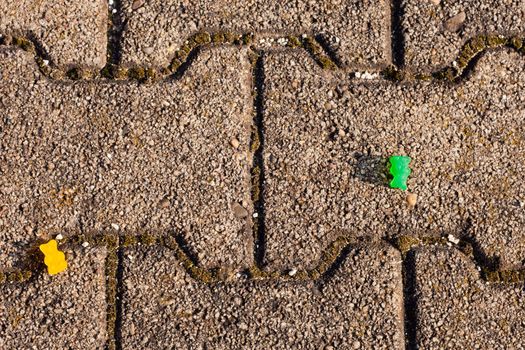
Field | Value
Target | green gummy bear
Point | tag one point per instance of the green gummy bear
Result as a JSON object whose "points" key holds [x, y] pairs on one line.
{"points": [[400, 171]]}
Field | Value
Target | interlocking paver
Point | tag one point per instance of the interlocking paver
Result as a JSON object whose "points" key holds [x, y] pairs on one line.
{"points": [[67, 311], [458, 310], [358, 31], [71, 32], [327, 137], [94, 156], [361, 304], [434, 31], [162, 153]]}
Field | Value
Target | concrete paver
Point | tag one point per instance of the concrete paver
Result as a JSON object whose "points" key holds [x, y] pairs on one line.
{"points": [[358, 31], [70, 32], [458, 310], [360, 305], [327, 138], [97, 156], [66, 311], [434, 31], [254, 176]]}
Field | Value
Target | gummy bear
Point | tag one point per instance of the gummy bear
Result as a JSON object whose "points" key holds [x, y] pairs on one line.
{"points": [[400, 171], [54, 259]]}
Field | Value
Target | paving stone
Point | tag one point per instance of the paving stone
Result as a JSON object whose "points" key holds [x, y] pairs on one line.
{"points": [[100, 155], [360, 304], [458, 310], [71, 32], [327, 138], [64, 311], [358, 31], [435, 31]]}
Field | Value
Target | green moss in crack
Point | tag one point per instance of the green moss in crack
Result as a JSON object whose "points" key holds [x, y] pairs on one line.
{"points": [[393, 74], [202, 38], [174, 65], [147, 239], [24, 44], [229, 37], [293, 41], [448, 74], [217, 38], [74, 74], [137, 73], [494, 41], [128, 241], [326, 63], [516, 43], [247, 39]]}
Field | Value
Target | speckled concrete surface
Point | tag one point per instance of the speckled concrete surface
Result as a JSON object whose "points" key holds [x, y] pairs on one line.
{"points": [[156, 158], [358, 31], [435, 30], [457, 310], [327, 137], [239, 196], [70, 32], [67, 311], [358, 307]]}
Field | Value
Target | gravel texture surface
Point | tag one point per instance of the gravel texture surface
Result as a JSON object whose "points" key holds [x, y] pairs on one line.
{"points": [[70, 32], [434, 31], [359, 307], [66, 311], [458, 310], [358, 31], [327, 137], [80, 157], [239, 193]]}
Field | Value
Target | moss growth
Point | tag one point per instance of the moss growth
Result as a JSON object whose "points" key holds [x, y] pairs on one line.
{"points": [[24, 44], [293, 42], [147, 239], [128, 241], [311, 46], [217, 38], [393, 74], [229, 37], [405, 243], [516, 43], [448, 74], [174, 65], [247, 39], [74, 74], [423, 77], [137, 73], [202, 38], [326, 63], [493, 41]]}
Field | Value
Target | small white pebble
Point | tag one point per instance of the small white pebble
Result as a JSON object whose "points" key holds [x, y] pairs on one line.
{"points": [[85, 244], [114, 11], [59, 237], [304, 36], [110, 2], [292, 272], [453, 239], [115, 226], [255, 215], [46, 62]]}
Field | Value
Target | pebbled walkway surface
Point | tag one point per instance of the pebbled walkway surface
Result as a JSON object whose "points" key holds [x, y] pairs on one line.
{"points": [[216, 173]]}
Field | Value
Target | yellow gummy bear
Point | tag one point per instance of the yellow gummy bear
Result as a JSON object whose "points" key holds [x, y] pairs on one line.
{"points": [[54, 259]]}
